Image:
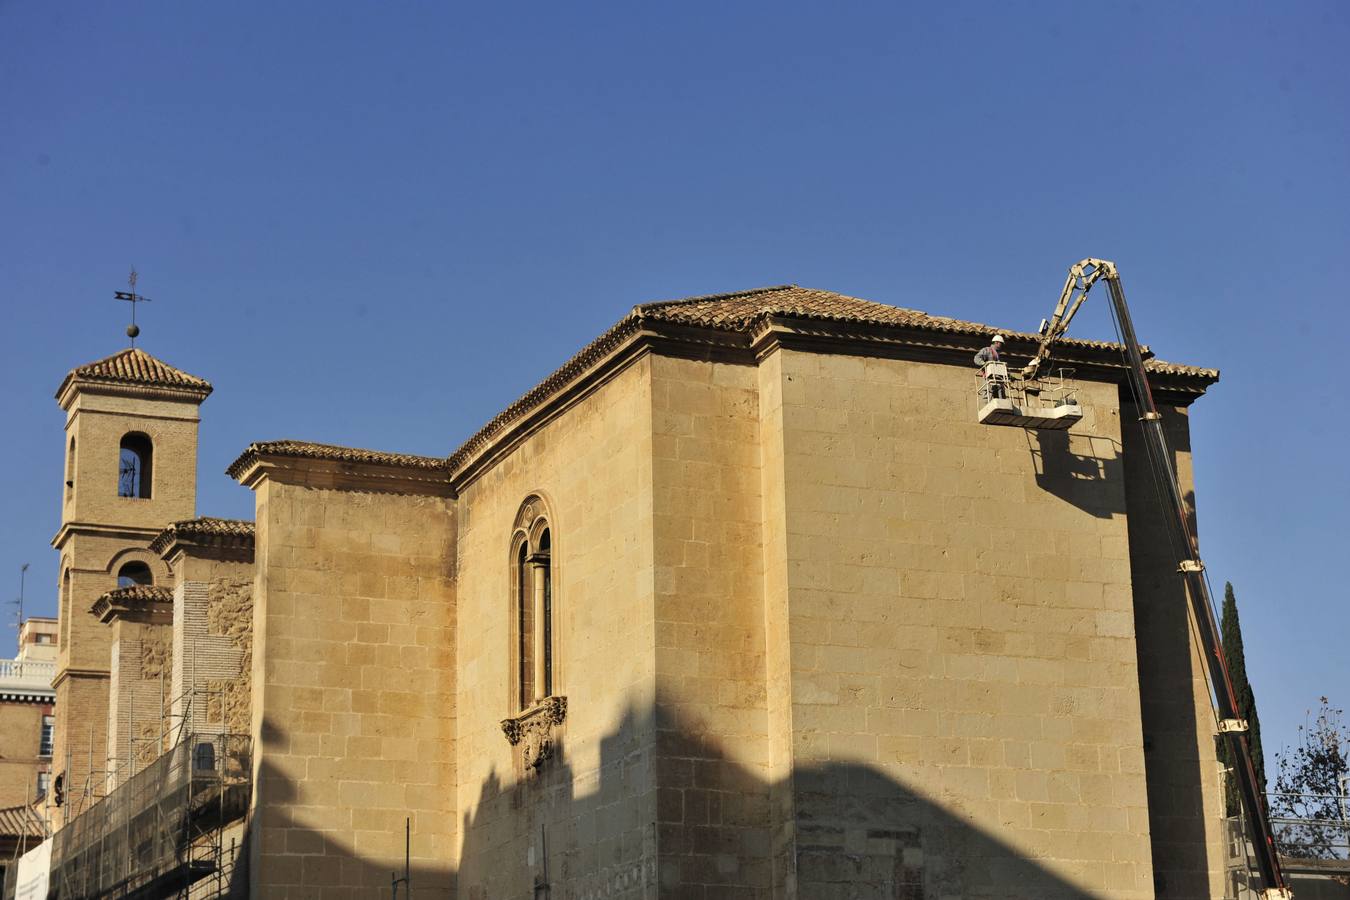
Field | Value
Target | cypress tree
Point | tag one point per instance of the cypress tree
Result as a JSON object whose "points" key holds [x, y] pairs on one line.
{"points": [[1231, 627]]}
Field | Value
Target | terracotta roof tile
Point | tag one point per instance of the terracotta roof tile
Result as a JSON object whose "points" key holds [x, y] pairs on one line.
{"points": [[133, 601], [134, 366], [140, 593], [205, 529], [743, 312], [310, 450], [17, 821]]}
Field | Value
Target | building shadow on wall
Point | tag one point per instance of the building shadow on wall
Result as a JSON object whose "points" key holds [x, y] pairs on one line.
{"points": [[667, 813], [316, 864], [1084, 471]]}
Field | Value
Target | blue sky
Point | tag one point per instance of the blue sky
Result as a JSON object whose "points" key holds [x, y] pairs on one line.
{"points": [[377, 224]]}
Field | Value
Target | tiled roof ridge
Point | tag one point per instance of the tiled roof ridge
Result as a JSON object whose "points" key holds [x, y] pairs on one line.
{"points": [[678, 311], [132, 599], [575, 365], [135, 366], [312, 450], [153, 593], [652, 305], [232, 530], [215, 524], [21, 820]]}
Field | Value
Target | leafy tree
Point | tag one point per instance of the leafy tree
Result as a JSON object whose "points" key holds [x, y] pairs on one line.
{"points": [[1310, 787], [1231, 627]]}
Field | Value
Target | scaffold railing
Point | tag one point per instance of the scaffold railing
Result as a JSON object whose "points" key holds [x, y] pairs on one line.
{"points": [[160, 831]]}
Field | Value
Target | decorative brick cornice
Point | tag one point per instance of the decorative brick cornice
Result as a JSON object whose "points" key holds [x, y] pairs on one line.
{"points": [[207, 536], [532, 730], [341, 468]]}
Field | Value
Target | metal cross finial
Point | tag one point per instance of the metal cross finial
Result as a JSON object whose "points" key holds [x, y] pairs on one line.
{"points": [[133, 330]]}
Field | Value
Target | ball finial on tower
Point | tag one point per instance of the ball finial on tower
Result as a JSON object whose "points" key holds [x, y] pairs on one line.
{"points": [[133, 330]]}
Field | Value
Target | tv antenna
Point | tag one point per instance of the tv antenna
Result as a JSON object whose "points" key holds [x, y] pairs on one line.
{"points": [[18, 615], [133, 330]]}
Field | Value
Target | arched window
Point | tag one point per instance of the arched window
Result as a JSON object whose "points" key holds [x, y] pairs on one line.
{"points": [[134, 573], [135, 467], [67, 605], [70, 469], [532, 581]]}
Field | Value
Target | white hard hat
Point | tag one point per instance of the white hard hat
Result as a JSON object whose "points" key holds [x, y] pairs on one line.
{"points": [[998, 339]]}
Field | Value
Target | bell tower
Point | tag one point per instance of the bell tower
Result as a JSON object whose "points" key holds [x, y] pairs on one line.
{"points": [[130, 470]]}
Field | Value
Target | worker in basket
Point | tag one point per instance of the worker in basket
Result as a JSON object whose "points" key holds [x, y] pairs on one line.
{"points": [[994, 387]]}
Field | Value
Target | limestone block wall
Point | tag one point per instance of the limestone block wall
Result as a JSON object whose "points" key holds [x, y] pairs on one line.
{"points": [[964, 693], [1179, 754], [353, 706], [713, 754], [591, 810], [138, 690], [782, 821], [213, 651]]}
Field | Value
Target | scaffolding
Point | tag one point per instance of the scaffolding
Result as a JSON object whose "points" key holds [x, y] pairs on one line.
{"points": [[161, 832]]}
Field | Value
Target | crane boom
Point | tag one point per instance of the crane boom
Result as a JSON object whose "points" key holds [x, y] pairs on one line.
{"points": [[1082, 276], [1233, 730]]}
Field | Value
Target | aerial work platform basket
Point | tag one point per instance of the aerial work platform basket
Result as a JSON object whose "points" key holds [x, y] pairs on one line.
{"points": [[1047, 402]]}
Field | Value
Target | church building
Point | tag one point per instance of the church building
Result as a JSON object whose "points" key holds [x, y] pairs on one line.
{"points": [[741, 602]]}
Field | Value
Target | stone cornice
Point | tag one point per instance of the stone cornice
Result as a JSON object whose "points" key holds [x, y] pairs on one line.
{"points": [[1090, 361], [72, 386], [326, 468], [624, 345], [664, 329], [121, 532]]}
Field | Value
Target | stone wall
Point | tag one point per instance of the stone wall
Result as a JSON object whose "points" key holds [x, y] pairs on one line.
{"points": [[713, 756], [353, 706], [965, 705], [139, 688], [585, 821], [213, 658]]}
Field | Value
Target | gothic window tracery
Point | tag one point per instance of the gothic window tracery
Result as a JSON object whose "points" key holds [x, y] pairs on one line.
{"points": [[532, 582]]}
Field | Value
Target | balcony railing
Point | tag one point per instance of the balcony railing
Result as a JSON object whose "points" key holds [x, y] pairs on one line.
{"points": [[26, 674]]}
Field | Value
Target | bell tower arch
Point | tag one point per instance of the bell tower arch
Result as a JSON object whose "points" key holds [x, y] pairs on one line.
{"points": [[131, 469]]}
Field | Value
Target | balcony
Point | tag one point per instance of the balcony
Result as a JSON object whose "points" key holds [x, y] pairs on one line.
{"points": [[27, 679]]}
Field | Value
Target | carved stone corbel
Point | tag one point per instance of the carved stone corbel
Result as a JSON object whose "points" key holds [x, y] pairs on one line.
{"points": [[532, 730]]}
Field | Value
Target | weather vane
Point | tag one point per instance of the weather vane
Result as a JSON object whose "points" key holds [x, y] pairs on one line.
{"points": [[133, 330]]}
